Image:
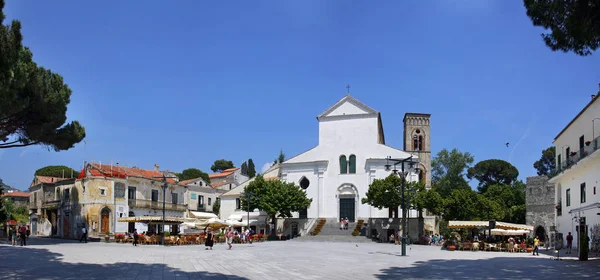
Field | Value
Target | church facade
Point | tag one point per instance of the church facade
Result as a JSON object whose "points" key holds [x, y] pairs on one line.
{"points": [[350, 154]]}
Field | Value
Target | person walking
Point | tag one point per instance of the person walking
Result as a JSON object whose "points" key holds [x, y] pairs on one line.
{"points": [[229, 235], [135, 237], [23, 235], [13, 236], [536, 243], [83, 234], [569, 243], [208, 243]]}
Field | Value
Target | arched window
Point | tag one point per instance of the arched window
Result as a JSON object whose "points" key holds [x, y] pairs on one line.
{"points": [[352, 164], [343, 165], [304, 183], [420, 142]]}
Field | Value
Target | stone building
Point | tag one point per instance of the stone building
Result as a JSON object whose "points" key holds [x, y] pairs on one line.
{"points": [[227, 179], [44, 204], [541, 210]]}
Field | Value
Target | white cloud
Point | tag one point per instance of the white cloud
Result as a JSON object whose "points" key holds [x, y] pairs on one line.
{"points": [[266, 167], [525, 134], [22, 153]]}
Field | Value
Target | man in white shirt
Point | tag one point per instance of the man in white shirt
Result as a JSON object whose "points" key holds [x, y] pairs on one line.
{"points": [[83, 234]]}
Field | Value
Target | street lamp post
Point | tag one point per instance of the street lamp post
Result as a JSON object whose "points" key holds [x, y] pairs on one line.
{"points": [[164, 188], [248, 196], [403, 175]]}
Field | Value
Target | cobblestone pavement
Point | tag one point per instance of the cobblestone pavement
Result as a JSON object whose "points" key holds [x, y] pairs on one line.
{"points": [[64, 259]]}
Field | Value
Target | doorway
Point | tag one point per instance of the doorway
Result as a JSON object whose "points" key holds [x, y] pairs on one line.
{"points": [[541, 233], [347, 208], [105, 220], [131, 225]]}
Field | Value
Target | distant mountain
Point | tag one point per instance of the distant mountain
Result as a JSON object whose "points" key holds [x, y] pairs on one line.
{"points": [[6, 187]]}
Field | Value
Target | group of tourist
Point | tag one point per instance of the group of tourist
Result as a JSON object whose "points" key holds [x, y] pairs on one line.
{"points": [[230, 234], [344, 223], [19, 233]]}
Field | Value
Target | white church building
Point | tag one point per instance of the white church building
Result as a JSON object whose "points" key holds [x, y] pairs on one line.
{"points": [[350, 154]]}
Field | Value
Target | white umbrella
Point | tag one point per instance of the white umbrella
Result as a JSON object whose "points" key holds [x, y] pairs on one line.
{"points": [[506, 232], [213, 223]]}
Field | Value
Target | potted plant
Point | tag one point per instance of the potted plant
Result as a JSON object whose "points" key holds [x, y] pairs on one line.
{"points": [[529, 243], [573, 154], [587, 143], [107, 236]]}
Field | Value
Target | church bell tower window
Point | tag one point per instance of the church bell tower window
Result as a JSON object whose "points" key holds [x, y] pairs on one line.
{"points": [[418, 142], [343, 165], [352, 164]]}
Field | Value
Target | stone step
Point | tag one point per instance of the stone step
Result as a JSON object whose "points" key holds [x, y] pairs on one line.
{"points": [[333, 238]]}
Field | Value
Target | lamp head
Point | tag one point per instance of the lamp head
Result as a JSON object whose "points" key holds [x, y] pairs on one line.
{"points": [[388, 167]]}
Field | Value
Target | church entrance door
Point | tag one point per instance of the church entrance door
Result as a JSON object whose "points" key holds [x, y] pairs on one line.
{"points": [[347, 207]]}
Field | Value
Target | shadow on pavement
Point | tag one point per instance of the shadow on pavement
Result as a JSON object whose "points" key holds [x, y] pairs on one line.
{"points": [[496, 268], [36, 263]]}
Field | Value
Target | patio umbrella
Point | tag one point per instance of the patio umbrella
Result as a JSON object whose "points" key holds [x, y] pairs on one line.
{"points": [[213, 223], [505, 232]]}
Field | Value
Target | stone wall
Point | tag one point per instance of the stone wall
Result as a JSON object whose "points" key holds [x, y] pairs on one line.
{"points": [[540, 202]]}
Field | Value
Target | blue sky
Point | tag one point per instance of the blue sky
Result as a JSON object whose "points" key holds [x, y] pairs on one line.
{"points": [[184, 83]]}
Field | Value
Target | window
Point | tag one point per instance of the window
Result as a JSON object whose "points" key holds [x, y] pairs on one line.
{"points": [[174, 198], [201, 200], [352, 165], [418, 142], [558, 162], [102, 191], [67, 194], [209, 201], [131, 192], [582, 192], [594, 190], [154, 195], [568, 197], [581, 142], [568, 154], [304, 183], [238, 203], [200, 183], [343, 165], [193, 196]]}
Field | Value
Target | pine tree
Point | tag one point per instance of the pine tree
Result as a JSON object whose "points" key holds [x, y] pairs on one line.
{"points": [[244, 168], [251, 172]]}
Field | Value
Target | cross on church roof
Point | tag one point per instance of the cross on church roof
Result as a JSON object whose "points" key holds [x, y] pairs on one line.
{"points": [[348, 87]]}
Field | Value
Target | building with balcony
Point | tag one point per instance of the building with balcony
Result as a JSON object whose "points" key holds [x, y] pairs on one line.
{"points": [[44, 203], [578, 172], [202, 197], [102, 194]]}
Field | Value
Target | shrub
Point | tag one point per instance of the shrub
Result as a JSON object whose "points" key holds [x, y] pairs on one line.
{"points": [[355, 232]]}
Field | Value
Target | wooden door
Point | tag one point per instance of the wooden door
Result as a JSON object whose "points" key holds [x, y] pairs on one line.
{"points": [[104, 220], [347, 209]]}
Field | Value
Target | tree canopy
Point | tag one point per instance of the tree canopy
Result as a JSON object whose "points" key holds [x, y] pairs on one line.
{"points": [[276, 198], [193, 173], [244, 168], [448, 171], [574, 24], [493, 171], [33, 100], [546, 163], [280, 158], [59, 171], [221, 164]]}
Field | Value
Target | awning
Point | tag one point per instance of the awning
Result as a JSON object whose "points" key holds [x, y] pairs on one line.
{"points": [[468, 224], [509, 226], [151, 219], [235, 217], [203, 215], [505, 232]]}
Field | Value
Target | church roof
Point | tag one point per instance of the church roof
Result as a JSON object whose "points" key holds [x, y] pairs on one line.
{"points": [[351, 100]]}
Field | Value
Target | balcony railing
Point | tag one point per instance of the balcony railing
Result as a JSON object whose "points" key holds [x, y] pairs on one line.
{"points": [[157, 205], [577, 156]]}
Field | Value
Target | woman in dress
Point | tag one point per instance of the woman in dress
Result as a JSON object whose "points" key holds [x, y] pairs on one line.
{"points": [[209, 239]]}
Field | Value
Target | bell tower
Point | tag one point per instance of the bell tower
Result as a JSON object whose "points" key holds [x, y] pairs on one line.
{"points": [[417, 140]]}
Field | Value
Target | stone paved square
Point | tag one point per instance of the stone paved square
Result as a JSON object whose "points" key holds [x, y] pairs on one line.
{"points": [[65, 259]]}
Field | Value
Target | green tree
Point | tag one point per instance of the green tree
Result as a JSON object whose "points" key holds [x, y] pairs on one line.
{"points": [[7, 210], [59, 171], [221, 164], [193, 173], [546, 163], [244, 168], [385, 193], [574, 25], [493, 171], [276, 198], [251, 169], [448, 171], [216, 207], [33, 100], [280, 158]]}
